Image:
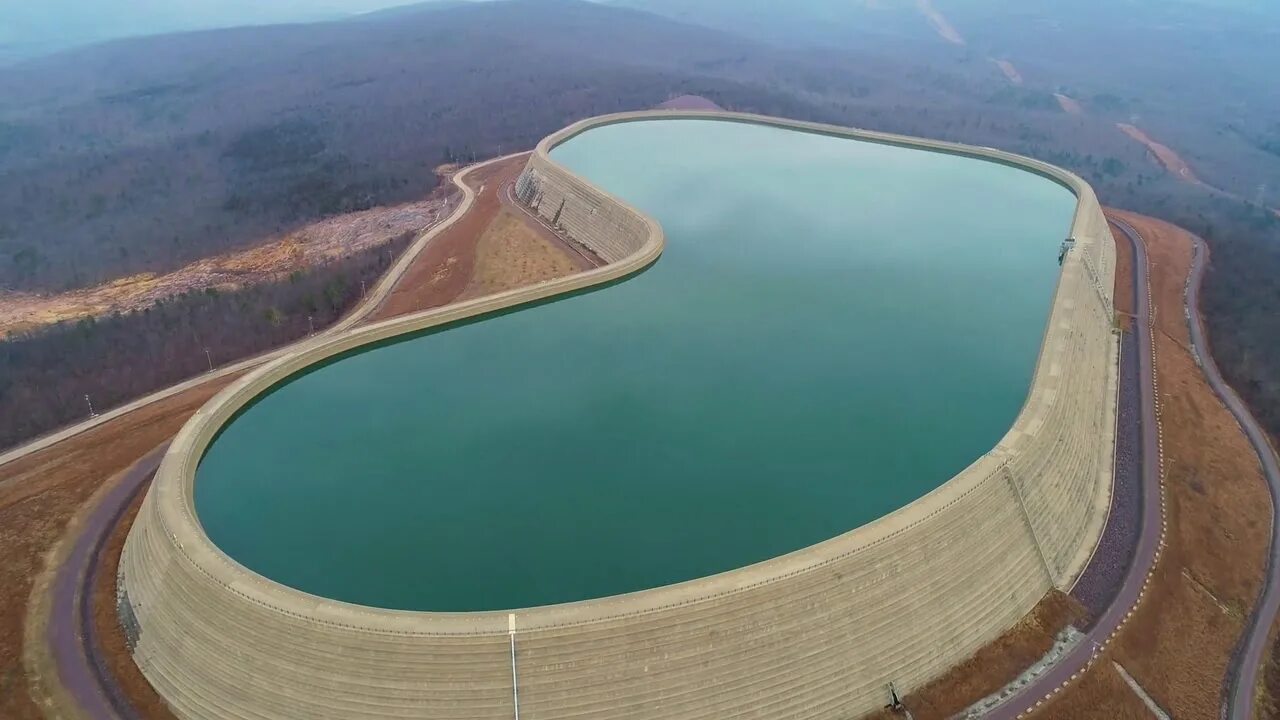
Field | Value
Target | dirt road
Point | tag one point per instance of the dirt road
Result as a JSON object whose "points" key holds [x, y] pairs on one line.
{"points": [[939, 22], [1166, 156], [1069, 105]]}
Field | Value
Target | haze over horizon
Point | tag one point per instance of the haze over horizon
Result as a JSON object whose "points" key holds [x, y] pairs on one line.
{"points": [[36, 28], [31, 29]]}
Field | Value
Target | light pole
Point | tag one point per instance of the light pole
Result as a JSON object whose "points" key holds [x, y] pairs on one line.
{"points": [[311, 326], [89, 402], [208, 357]]}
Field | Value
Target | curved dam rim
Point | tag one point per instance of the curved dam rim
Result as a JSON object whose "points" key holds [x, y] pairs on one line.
{"points": [[172, 490]]}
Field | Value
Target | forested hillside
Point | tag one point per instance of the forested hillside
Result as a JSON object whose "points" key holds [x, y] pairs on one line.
{"points": [[146, 154], [48, 379], [1164, 66]]}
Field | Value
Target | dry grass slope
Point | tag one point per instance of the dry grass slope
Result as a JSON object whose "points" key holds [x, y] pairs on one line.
{"points": [[38, 497], [1178, 643]]}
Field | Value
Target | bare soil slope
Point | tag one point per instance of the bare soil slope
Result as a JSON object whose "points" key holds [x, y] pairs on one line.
{"points": [[311, 245], [940, 23], [1165, 155]]}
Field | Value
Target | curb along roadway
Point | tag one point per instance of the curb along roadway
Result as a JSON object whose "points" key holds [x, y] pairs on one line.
{"points": [[1151, 536]]}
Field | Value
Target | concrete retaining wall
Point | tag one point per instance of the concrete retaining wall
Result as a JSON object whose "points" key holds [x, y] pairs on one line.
{"points": [[814, 634]]}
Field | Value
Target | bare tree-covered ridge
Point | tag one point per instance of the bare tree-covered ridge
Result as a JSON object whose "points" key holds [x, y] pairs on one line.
{"points": [[149, 154], [300, 250], [146, 154], [58, 375]]}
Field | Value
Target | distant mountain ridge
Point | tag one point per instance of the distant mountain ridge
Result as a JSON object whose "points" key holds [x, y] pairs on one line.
{"points": [[30, 28], [842, 24], [409, 9], [144, 154]]}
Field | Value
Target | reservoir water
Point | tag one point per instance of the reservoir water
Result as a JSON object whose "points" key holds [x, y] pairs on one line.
{"points": [[835, 328]]}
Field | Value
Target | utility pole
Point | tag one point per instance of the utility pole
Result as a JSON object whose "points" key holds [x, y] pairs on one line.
{"points": [[89, 402], [208, 357]]}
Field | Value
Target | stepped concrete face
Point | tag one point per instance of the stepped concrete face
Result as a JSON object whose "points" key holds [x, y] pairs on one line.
{"points": [[818, 633]]}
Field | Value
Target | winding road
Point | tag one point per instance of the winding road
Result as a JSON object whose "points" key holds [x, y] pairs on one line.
{"points": [[1151, 538], [70, 633], [1251, 653]]}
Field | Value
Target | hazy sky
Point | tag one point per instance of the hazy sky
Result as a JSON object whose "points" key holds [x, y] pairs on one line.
{"points": [[39, 25], [29, 27]]}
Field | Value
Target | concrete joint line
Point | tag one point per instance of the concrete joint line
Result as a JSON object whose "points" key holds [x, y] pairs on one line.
{"points": [[1142, 694], [1026, 516], [515, 684], [1098, 289]]}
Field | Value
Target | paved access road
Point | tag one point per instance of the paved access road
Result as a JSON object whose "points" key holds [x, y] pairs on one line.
{"points": [[70, 632], [1251, 653], [1151, 535]]}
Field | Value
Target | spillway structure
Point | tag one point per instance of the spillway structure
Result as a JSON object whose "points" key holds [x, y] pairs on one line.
{"points": [[815, 633]]}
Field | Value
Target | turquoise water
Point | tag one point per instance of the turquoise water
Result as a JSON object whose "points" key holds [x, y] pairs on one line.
{"points": [[835, 329]]}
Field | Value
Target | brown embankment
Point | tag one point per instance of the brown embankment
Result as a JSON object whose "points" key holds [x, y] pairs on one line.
{"points": [[41, 493], [995, 665], [493, 248], [107, 625], [1179, 641]]}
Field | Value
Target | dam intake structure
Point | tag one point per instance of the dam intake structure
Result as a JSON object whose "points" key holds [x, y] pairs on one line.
{"points": [[814, 633]]}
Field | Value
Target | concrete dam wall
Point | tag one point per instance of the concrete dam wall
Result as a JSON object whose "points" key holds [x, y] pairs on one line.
{"points": [[818, 633]]}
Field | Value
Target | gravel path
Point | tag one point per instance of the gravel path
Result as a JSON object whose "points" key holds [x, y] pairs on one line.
{"points": [[1106, 572]]}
